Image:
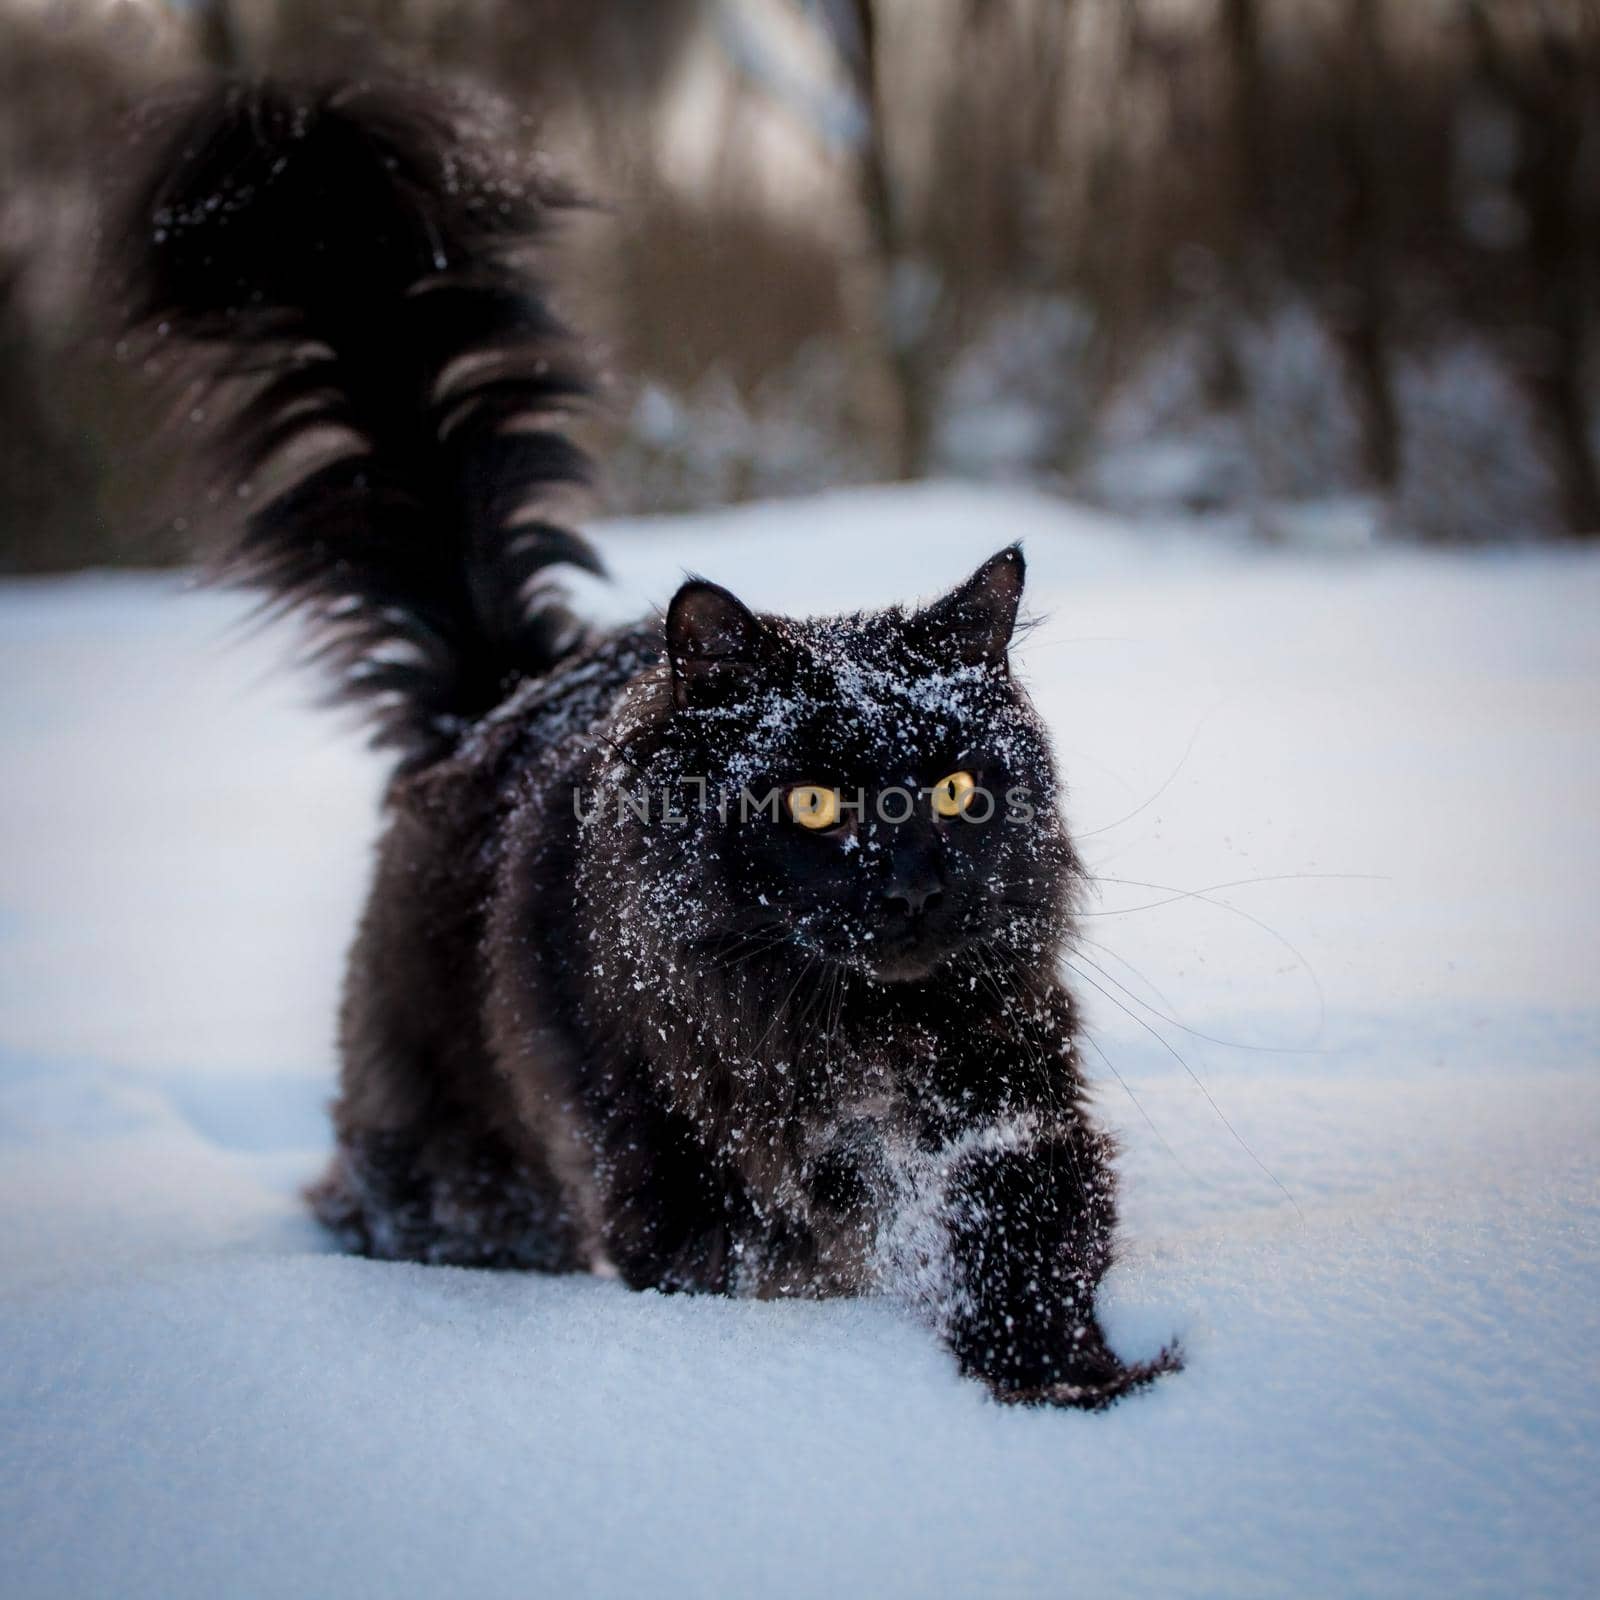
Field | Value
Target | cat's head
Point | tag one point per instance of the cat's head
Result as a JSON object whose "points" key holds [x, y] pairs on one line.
{"points": [[872, 790]]}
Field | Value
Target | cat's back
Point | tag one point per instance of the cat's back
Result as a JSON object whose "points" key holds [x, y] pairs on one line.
{"points": [[491, 822], [503, 794], [546, 730]]}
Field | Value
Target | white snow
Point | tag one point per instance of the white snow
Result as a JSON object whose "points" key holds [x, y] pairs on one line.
{"points": [[1392, 758]]}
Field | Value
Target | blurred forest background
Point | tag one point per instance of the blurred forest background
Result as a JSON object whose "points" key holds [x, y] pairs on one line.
{"points": [[1320, 269]]}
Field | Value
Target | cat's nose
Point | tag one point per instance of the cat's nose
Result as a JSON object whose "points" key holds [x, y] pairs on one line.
{"points": [[913, 891]]}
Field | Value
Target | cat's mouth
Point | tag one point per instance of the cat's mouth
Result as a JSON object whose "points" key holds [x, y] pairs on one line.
{"points": [[907, 969], [911, 955]]}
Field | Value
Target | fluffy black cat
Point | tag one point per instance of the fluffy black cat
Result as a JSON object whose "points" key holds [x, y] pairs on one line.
{"points": [[719, 952]]}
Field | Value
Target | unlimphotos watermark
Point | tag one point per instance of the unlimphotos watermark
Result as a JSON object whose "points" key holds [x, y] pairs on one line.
{"points": [[676, 804]]}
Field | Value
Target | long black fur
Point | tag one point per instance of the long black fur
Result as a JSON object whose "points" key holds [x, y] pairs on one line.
{"points": [[703, 1048], [355, 270]]}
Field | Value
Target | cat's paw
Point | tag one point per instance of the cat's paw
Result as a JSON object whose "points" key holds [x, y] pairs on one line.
{"points": [[1090, 1390]]}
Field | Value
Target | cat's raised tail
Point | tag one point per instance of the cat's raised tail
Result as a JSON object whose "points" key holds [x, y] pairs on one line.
{"points": [[338, 278]]}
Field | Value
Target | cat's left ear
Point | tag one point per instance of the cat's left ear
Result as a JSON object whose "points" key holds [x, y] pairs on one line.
{"points": [[972, 625], [714, 643]]}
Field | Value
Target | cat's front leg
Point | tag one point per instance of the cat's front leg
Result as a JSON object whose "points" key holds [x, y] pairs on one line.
{"points": [[674, 1215], [671, 1220], [1002, 1239]]}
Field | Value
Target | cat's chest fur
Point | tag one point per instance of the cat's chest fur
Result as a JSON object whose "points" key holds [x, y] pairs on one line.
{"points": [[778, 1067]]}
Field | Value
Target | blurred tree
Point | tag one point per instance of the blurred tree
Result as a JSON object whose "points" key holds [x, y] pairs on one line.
{"points": [[904, 293], [1360, 308], [218, 36], [1551, 84], [1246, 201]]}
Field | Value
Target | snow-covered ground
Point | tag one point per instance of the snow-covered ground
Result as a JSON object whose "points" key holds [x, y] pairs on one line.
{"points": [[1344, 813]]}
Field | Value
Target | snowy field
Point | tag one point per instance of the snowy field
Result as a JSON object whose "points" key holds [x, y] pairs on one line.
{"points": [[1344, 812]]}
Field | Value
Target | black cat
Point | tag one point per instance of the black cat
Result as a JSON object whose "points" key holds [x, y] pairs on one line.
{"points": [[720, 951]]}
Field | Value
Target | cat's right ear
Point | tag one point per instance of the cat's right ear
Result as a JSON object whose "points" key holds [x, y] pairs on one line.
{"points": [[714, 643], [973, 624]]}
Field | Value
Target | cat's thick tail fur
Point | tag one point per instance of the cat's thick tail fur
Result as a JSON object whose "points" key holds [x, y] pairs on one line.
{"points": [[339, 276]]}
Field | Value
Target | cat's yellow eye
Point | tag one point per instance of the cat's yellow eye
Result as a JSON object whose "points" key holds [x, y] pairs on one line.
{"points": [[952, 795], [813, 806]]}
